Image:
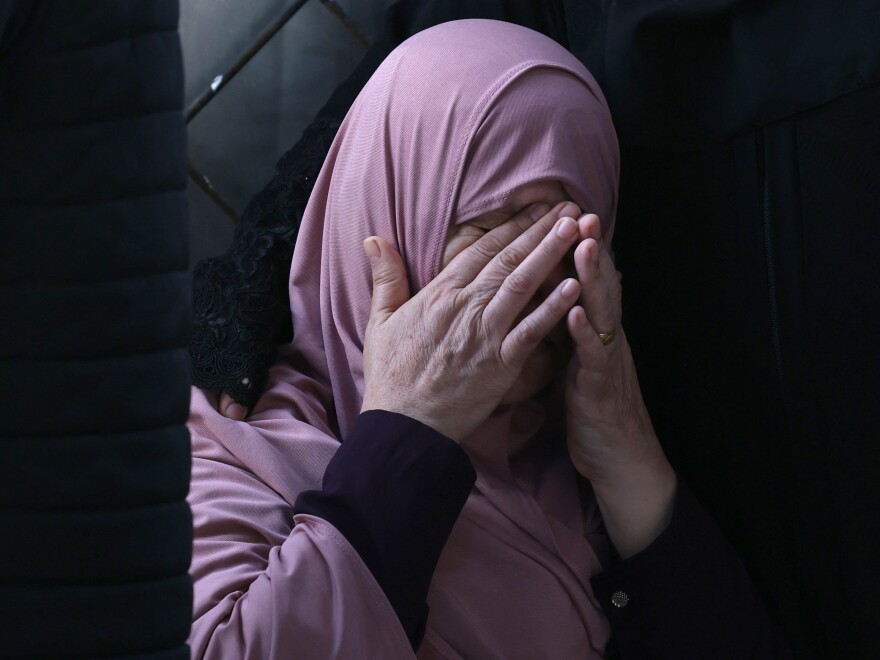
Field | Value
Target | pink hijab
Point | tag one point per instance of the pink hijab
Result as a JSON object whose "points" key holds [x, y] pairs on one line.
{"points": [[454, 121]]}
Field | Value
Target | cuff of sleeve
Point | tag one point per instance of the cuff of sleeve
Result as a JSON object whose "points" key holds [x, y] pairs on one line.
{"points": [[394, 489], [677, 547], [686, 595], [631, 590]]}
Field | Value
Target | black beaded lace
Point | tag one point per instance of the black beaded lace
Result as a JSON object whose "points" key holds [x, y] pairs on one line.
{"points": [[241, 309]]}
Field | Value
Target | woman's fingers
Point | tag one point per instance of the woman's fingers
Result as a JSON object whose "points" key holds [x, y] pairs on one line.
{"points": [[416, 350], [600, 286], [522, 268], [528, 333], [588, 347], [485, 256], [590, 227], [511, 256], [390, 284], [230, 408], [465, 267]]}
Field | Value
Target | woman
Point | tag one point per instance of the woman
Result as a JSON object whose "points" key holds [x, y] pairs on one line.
{"points": [[462, 478]]}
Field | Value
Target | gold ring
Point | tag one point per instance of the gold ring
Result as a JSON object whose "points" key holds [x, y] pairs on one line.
{"points": [[608, 337]]}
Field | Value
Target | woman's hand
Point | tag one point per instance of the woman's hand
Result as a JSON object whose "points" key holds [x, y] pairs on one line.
{"points": [[610, 436], [448, 355], [229, 407]]}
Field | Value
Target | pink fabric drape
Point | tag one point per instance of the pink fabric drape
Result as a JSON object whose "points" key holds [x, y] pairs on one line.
{"points": [[455, 119]]}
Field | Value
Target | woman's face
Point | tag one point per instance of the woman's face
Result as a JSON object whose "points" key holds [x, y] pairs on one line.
{"points": [[551, 355]]}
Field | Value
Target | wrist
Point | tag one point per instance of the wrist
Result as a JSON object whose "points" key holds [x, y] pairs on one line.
{"points": [[637, 506], [413, 413]]}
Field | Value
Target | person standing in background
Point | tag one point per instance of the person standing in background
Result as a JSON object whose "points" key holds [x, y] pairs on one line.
{"points": [[94, 374]]}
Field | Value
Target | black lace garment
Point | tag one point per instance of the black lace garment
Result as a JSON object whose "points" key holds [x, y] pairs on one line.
{"points": [[240, 303]]}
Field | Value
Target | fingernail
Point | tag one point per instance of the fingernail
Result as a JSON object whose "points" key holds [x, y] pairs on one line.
{"points": [[569, 287], [594, 220], [570, 210], [566, 228], [371, 249], [236, 411], [538, 211], [590, 251]]}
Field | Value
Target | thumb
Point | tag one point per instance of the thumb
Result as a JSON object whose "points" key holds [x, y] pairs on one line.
{"points": [[390, 285]]}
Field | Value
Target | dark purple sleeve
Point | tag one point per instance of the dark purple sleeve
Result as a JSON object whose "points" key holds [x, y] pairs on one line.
{"points": [[394, 490], [687, 595]]}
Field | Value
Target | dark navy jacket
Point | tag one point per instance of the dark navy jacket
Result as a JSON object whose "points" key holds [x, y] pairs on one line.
{"points": [[95, 532]]}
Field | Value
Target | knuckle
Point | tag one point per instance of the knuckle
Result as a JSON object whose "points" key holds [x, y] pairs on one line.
{"points": [[521, 222], [486, 248], [382, 276], [517, 284], [615, 290], [492, 243], [509, 259], [477, 298], [530, 333]]}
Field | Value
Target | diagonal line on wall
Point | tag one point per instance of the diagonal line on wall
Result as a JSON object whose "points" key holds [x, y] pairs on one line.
{"points": [[334, 8], [223, 79], [246, 56], [205, 184]]}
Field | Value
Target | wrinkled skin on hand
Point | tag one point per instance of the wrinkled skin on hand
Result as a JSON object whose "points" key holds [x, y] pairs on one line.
{"points": [[459, 344], [610, 436]]}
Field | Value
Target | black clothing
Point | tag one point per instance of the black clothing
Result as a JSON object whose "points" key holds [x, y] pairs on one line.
{"points": [[752, 303], [96, 532], [702, 71], [746, 230], [396, 487], [237, 327]]}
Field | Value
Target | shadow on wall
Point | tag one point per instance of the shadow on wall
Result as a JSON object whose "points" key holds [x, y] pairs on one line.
{"points": [[238, 137]]}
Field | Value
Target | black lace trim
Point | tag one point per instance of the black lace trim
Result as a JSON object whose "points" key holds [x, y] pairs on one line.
{"points": [[241, 309]]}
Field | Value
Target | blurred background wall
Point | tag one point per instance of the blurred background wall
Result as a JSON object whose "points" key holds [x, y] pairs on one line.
{"points": [[237, 138]]}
